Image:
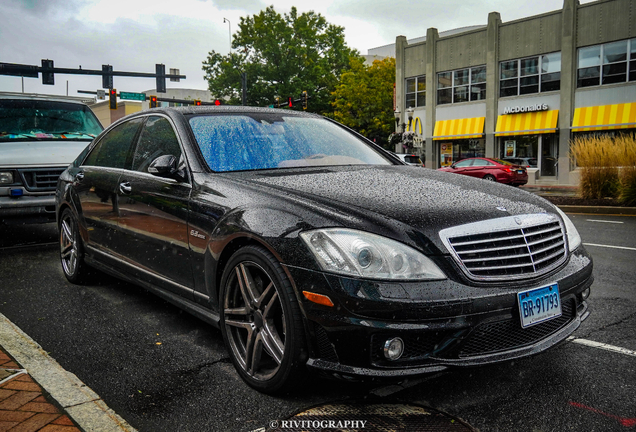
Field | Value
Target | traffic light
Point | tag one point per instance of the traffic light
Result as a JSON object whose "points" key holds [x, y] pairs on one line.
{"points": [[303, 97], [47, 77], [290, 102], [161, 77], [107, 78], [153, 101], [197, 102], [112, 99], [217, 102]]}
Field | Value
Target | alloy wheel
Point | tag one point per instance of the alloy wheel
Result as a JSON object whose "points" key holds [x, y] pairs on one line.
{"points": [[254, 321], [68, 245]]}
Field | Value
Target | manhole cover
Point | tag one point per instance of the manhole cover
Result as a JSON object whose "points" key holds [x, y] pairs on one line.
{"points": [[365, 418]]}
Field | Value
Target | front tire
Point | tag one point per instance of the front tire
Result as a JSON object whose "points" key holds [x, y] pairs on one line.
{"points": [[261, 322], [72, 249]]}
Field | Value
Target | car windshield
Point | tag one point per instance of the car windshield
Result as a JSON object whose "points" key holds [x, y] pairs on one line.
{"points": [[30, 119], [252, 141]]}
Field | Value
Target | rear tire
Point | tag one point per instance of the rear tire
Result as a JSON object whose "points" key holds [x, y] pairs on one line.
{"points": [[72, 249], [261, 322], [489, 177]]}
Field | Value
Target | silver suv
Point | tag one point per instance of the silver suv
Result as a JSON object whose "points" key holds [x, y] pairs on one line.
{"points": [[39, 138]]}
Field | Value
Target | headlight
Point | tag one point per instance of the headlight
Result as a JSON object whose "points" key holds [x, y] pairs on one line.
{"points": [[574, 239], [356, 253], [6, 177]]}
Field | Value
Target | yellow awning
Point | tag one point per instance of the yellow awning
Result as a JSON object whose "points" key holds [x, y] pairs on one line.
{"points": [[459, 128], [527, 123], [604, 117]]}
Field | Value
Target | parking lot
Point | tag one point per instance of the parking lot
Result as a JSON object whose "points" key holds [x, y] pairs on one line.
{"points": [[163, 370]]}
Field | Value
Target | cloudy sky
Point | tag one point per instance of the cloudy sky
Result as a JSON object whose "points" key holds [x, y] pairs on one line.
{"points": [[134, 35]]}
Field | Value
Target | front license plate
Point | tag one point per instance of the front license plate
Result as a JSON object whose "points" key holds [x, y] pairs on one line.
{"points": [[539, 304]]}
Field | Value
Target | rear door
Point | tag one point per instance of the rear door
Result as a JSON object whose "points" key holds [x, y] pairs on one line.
{"points": [[153, 211], [97, 183]]}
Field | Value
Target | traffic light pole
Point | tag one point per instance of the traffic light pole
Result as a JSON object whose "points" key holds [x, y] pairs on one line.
{"points": [[159, 99], [48, 72]]}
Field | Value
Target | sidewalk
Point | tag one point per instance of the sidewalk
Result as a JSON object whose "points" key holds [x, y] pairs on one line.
{"points": [[23, 404], [37, 394]]}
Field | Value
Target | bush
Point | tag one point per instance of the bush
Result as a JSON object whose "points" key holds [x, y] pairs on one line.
{"points": [[628, 186], [608, 167]]}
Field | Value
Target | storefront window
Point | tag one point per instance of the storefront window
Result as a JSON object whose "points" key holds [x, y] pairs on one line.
{"points": [[456, 150], [532, 151]]}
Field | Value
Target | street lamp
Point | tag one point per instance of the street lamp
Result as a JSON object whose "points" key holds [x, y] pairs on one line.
{"points": [[398, 115], [229, 29]]}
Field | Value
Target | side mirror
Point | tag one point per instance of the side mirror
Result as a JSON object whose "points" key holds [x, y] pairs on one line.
{"points": [[166, 166]]}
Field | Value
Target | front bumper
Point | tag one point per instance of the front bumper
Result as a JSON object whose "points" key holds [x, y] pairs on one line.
{"points": [[28, 206], [442, 324]]}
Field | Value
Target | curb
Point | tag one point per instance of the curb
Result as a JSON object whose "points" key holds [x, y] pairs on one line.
{"points": [[79, 402], [604, 210]]}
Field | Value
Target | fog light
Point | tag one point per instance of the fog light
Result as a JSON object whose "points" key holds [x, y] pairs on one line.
{"points": [[585, 294], [16, 192], [393, 348]]}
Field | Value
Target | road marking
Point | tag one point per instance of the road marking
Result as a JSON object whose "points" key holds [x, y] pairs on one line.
{"points": [[608, 246], [605, 221], [603, 346]]}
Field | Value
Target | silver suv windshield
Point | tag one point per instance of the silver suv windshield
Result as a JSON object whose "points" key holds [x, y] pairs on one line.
{"points": [[253, 141], [33, 119]]}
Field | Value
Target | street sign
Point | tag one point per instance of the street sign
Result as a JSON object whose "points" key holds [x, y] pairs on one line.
{"points": [[101, 94], [132, 96]]}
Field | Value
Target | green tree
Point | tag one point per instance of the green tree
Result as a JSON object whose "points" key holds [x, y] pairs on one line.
{"points": [[363, 100], [283, 55]]}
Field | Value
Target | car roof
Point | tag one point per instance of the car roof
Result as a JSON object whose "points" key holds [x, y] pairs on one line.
{"points": [[216, 109], [39, 98]]}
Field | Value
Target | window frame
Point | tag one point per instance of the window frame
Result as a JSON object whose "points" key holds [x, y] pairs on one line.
{"points": [[415, 94], [519, 76], [602, 66], [456, 89]]}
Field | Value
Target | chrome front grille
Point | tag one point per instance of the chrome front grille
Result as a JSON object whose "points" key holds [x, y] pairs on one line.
{"points": [[41, 179], [513, 247]]}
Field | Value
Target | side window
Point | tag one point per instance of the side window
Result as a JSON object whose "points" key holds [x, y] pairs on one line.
{"points": [[157, 139], [112, 150], [464, 163]]}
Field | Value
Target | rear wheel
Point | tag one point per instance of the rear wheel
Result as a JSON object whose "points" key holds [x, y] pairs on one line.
{"points": [[72, 249], [261, 321], [490, 178]]}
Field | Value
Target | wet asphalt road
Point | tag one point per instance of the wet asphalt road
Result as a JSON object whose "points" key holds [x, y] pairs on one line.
{"points": [[163, 370]]}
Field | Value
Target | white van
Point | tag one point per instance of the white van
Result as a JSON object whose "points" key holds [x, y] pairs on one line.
{"points": [[39, 138]]}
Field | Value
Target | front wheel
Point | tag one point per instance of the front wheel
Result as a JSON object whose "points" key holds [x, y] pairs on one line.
{"points": [[72, 249], [261, 322]]}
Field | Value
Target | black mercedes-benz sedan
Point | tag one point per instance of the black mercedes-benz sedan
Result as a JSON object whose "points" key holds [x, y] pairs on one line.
{"points": [[313, 249]]}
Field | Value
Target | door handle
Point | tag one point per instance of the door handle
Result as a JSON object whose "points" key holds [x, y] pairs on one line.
{"points": [[125, 188]]}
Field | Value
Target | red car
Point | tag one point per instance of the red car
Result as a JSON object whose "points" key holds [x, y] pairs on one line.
{"points": [[496, 170]]}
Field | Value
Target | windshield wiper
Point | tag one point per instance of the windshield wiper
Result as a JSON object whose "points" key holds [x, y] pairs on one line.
{"points": [[74, 133]]}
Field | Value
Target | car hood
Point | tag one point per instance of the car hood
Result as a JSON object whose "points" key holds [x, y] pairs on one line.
{"points": [[40, 153], [418, 199]]}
